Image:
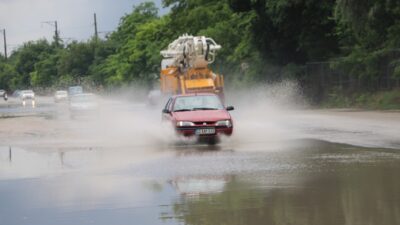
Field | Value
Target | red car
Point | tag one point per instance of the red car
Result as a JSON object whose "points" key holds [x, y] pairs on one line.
{"points": [[202, 115]]}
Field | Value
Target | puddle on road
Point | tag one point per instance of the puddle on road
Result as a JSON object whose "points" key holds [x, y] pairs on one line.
{"points": [[312, 182], [16, 163]]}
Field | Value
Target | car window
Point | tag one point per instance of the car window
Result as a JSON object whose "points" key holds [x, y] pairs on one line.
{"points": [[168, 105], [197, 102]]}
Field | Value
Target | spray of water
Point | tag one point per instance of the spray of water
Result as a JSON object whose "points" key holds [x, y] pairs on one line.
{"points": [[264, 115], [124, 119], [262, 112]]}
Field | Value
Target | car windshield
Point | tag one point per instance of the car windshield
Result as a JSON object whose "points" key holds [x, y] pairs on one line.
{"points": [[75, 90], [27, 92], [199, 102]]}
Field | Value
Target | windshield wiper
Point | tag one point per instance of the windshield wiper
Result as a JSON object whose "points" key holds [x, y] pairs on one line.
{"points": [[205, 108], [182, 110]]}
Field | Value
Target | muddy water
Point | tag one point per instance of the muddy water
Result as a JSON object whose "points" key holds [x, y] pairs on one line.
{"points": [[317, 183], [296, 167]]}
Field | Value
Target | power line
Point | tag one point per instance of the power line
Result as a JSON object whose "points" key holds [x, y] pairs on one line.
{"points": [[106, 33]]}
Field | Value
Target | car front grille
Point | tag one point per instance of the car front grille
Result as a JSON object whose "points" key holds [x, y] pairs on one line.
{"points": [[204, 123]]}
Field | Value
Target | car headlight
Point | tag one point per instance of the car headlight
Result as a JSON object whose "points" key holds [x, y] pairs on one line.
{"points": [[184, 124], [224, 123]]}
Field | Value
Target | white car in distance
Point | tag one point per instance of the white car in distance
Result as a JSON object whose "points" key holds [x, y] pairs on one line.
{"points": [[60, 96], [26, 95]]}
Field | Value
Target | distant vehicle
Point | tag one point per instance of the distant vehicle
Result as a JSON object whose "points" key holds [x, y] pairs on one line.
{"points": [[199, 115], [16, 93], [60, 96], [3, 94], [83, 105], [74, 90], [25, 95]]}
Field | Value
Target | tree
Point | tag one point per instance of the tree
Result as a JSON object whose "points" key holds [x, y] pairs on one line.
{"points": [[25, 58], [7, 74], [369, 31], [76, 59], [136, 48]]}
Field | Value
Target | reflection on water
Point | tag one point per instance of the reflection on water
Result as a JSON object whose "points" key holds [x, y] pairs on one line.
{"points": [[17, 163], [368, 197], [195, 186], [339, 186], [313, 183]]}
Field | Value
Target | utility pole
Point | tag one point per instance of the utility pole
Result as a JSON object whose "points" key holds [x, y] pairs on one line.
{"points": [[5, 43], [56, 33], [96, 34]]}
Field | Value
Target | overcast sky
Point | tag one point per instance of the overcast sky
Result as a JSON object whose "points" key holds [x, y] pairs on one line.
{"points": [[23, 19]]}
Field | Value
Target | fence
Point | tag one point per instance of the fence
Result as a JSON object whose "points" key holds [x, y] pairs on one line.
{"points": [[322, 78]]}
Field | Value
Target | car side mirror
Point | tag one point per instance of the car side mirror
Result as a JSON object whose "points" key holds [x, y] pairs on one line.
{"points": [[166, 111], [230, 108]]}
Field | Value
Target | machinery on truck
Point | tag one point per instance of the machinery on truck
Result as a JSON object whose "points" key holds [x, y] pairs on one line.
{"points": [[184, 68]]}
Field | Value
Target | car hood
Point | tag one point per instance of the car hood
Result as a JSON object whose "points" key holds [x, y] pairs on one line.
{"points": [[201, 115]]}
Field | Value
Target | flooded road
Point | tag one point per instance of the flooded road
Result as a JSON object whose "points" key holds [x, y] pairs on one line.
{"points": [[120, 167]]}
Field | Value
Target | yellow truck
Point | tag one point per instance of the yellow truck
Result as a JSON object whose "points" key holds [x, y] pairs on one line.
{"points": [[184, 68]]}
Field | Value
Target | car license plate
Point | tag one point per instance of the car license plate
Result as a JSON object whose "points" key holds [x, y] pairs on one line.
{"points": [[205, 131]]}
